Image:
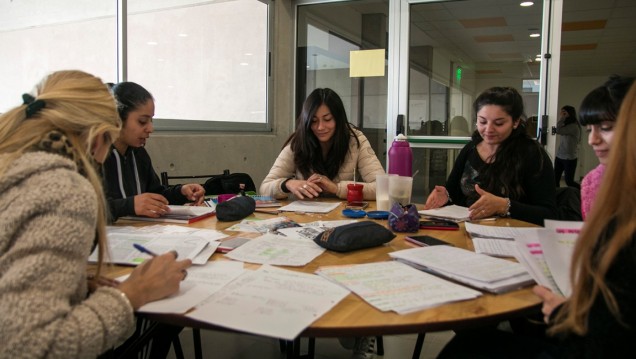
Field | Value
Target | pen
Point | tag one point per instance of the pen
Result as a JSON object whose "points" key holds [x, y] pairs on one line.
{"points": [[143, 249]]}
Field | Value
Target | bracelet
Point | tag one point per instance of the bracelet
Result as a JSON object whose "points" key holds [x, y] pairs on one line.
{"points": [[283, 185], [506, 212], [450, 200]]}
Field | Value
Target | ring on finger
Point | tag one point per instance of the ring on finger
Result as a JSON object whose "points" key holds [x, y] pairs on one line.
{"points": [[185, 274], [176, 255], [305, 186]]}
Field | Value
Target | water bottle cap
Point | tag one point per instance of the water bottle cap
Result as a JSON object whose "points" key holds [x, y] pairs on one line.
{"points": [[401, 137]]}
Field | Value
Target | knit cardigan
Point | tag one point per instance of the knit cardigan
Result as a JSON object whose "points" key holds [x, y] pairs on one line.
{"points": [[48, 217], [362, 158]]}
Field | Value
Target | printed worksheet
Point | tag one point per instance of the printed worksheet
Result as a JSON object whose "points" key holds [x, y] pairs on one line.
{"points": [[394, 286], [276, 250], [270, 301]]}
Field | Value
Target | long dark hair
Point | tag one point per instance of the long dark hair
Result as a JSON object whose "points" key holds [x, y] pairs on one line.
{"points": [[571, 115], [603, 103], [503, 175], [130, 96], [305, 145]]}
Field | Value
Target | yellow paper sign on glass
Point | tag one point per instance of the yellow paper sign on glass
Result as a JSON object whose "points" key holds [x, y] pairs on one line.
{"points": [[366, 63]]}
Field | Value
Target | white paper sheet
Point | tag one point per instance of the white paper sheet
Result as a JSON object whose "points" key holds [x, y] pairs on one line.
{"points": [[558, 247], [495, 246], [270, 301], [396, 286], [276, 250], [478, 230], [200, 284], [310, 207], [530, 255]]}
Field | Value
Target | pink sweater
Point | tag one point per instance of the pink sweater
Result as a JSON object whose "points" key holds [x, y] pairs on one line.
{"points": [[589, 187]]}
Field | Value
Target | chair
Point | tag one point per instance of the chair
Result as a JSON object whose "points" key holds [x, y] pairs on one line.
{"points": [[568, 201], [220, 183], [165, 179]]}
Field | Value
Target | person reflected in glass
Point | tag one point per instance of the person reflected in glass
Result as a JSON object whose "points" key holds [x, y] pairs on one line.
{"points": [[598, 113], [324, 153], [566, 157], [501, 171], [132, 185], [54, 214]]}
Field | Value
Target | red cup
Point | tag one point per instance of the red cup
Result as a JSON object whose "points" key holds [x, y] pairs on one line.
{"points": [[354, 192]]}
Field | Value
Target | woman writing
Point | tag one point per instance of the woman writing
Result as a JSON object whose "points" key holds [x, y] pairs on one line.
{"points": [[132, 186], [323, 155], [502, 171], [566, 155], [54, 213]]}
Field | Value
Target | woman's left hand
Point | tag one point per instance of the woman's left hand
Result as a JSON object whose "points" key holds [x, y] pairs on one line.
{"points": [[327, 185], [193, 192], [487, 205], [550, 300]]}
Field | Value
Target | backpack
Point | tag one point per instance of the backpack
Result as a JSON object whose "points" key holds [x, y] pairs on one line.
{"points": [[229, 183]]}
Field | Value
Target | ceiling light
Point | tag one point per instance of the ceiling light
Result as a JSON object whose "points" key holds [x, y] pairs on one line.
{"points": [[243, 64], [535, 34], [152, 43], [183, 35], [527, 3]]}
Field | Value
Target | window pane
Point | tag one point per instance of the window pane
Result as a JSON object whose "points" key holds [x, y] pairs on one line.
{"points": [[60, 35], [201, 61]]}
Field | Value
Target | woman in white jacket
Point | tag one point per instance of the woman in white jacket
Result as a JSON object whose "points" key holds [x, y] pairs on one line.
{"points": [[323, 155]]}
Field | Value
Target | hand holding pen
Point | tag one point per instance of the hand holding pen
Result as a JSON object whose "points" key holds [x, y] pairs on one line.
{"points": [[155, 278]]}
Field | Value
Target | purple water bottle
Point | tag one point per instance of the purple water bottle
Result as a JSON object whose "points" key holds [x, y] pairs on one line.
{"points": [[401, 157]]}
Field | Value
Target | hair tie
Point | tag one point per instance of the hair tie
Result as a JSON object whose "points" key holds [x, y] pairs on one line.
{"points": [[33, 105]]}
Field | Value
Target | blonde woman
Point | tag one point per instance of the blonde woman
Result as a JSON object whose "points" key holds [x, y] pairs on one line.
{"points": [[52, 213]]}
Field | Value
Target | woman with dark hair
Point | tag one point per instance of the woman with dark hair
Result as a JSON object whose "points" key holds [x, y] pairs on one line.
{"points": [[502, 171], [323, 155], [598, 113], [566, 155], [132, 185]]}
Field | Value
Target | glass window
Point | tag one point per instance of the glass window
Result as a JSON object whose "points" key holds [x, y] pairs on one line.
{"points": [[55, 35], [202, 61]]}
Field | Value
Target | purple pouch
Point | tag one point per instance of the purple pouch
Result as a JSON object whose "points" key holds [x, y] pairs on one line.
{"points": [[404, 219]]}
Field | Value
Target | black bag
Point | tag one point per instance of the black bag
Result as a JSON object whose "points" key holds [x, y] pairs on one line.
{"points": [[229, 183], [354, 236], [235, 208]]}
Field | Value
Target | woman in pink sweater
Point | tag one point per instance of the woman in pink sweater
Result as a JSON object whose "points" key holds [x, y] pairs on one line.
{"points": [[598, 113]]}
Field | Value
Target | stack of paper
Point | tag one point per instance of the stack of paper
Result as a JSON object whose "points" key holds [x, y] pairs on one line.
{"points": [[394, 286], [497, 241], [451, 213], [195, 244], [476, 270]]}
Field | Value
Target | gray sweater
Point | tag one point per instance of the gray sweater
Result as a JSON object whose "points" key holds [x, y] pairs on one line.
{"points": [[47, 225], [570, 138]]}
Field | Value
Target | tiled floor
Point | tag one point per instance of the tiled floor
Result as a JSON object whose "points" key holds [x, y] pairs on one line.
{"points": [[221, 345]]}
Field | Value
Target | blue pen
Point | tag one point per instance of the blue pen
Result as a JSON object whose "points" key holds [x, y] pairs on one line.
{"points": [[143, 249]]}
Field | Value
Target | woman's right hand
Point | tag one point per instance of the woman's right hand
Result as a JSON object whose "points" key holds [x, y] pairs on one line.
{"points": [[437, 198], [303, 189], [155, 279], [150, 205]]}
